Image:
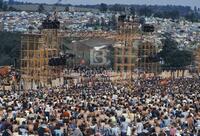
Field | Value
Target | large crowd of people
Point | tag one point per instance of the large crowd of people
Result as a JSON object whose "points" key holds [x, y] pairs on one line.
{"points": [[142, 107]]}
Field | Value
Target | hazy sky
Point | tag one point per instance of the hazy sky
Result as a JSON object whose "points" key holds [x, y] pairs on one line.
{"points": [[191, 3]]}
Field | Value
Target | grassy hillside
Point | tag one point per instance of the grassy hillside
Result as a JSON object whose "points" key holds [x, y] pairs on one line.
{"points": [[9, 47]]}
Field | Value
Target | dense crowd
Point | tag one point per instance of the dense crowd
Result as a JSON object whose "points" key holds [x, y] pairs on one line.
{"points": [[143, 107]]}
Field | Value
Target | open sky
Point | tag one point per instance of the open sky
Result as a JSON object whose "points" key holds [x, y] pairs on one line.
{"points": [[191, 3]]}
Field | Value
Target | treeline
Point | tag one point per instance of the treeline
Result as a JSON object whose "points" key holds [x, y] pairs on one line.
{"points": [[13, 2], [3, 5], [168, 11], [9, 47], [7, 5]]}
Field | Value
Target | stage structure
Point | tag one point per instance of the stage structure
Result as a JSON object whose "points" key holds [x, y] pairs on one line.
{"points": [[36, 51]]}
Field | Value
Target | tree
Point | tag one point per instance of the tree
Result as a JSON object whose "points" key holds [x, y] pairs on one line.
{"points": [[145, 11], [5, 7], [193, 17], [103, 7], [9, 47], [132, 11], [113, 22], [11, 2], [142, 20], [158, 14], [180, 59], [171, 14], [173, 57], [40, 8], [117, 8], [67, 9], [195, 9], [12, 9], [1, 4]]}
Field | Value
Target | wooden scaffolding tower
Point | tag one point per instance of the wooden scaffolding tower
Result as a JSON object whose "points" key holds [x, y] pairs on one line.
{"points": [[146, 58], [198, 60], [36, 50], [197, 55], [126, 49]]}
